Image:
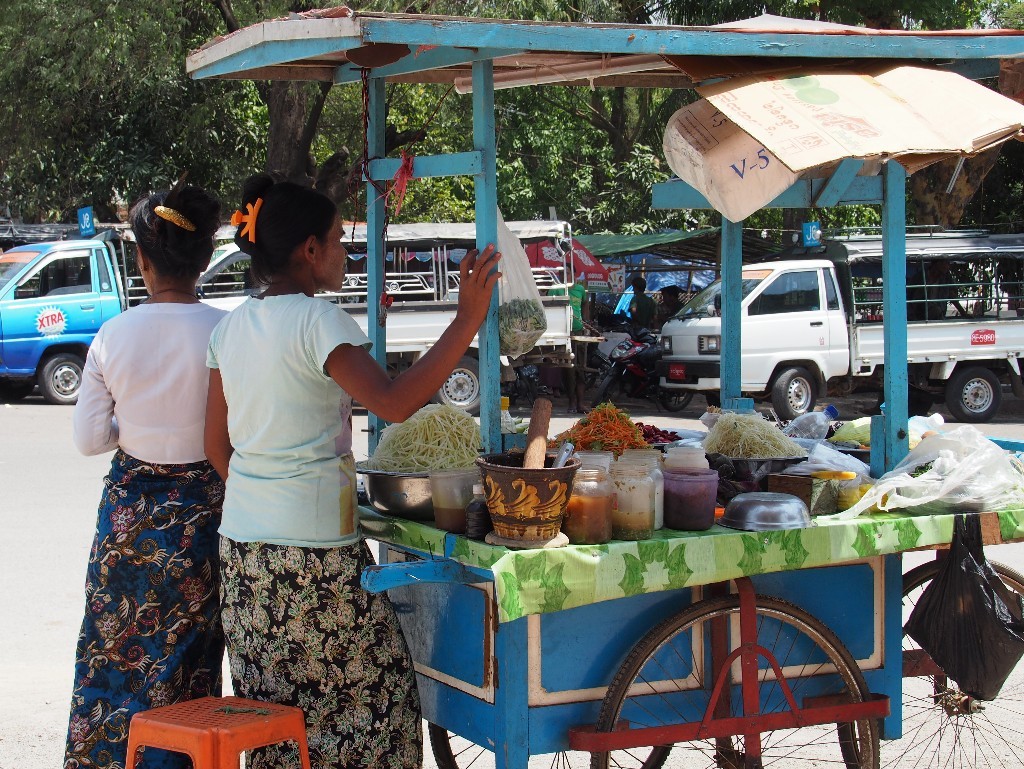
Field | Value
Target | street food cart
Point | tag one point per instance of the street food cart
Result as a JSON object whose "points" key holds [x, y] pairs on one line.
{"points": [[734, 648]]}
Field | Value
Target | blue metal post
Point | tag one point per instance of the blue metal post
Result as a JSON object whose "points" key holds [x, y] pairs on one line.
{"points": [[732, 297], [487, 232], [894, 443], [375, 255], [511, 696], [892, 623]]}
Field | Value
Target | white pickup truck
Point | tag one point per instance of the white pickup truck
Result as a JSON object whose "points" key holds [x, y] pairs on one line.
{"points": [[422, 279], [812, 324]]}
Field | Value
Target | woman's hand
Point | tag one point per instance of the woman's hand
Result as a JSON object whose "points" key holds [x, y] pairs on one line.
{"points": [[478, 273], [395, 400]]}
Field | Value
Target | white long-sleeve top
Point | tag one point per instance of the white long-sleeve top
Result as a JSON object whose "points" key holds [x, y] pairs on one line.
{"points": [[145, 383]]}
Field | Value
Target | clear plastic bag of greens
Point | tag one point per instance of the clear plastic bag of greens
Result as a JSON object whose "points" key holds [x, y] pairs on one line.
{"points": [[521, 318]]}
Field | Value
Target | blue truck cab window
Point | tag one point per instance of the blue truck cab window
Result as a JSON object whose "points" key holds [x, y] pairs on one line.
{"points": [[66, 273]]}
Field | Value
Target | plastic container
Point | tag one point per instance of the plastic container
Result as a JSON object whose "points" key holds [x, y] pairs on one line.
{"points": [[633, 507], [602, 459], [508, 424], [451, 492], [686, 458], [588, 518], [813, 424], [651, 459], [690, 499]]}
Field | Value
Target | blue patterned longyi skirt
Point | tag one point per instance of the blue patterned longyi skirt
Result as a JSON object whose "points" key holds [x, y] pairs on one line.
{"points": [[151, 634]]}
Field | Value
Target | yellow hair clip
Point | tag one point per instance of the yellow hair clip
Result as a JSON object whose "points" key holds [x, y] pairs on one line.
{"points": [[174, 217], [249, 219]]}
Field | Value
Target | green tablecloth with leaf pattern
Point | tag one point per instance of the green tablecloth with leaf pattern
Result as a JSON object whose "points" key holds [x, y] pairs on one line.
{"points": [[540, 581]]}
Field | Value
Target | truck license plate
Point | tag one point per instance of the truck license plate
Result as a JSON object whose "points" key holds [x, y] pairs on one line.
{"points": [[677, 371]]}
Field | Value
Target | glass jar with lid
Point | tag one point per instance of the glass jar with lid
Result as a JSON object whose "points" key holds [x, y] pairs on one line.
{"points": [[651, 459], [685, 458], [588, 517], [633, 511]]}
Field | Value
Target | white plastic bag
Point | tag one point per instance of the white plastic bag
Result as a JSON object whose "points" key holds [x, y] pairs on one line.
{"points": [[821, 456], [957, 471], [521, 318]]}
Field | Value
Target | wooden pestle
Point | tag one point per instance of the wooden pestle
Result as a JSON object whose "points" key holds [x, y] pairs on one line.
{"points": [[537, 436]]}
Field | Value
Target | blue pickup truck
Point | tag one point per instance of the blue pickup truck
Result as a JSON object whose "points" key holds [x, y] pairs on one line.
{"points": [[53, 299]]}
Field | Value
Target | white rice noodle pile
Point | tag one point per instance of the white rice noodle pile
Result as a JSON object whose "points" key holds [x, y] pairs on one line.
{"points": [[437, 437], [749, 436]]}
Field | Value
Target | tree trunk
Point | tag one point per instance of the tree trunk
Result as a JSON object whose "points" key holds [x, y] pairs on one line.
{"points": [[933, 204], [287, 147]]}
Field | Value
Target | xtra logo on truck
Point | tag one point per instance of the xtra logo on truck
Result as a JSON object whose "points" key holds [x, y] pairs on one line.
{"points": [[51, 321], [983, 336]]}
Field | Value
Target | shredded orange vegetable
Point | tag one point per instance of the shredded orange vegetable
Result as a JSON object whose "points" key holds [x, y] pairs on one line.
{"points": [[605, 428]]}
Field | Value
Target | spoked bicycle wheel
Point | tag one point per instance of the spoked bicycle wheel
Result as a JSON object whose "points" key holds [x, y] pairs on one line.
{"points": [[945, 727], [454, 752], [667, 680]]}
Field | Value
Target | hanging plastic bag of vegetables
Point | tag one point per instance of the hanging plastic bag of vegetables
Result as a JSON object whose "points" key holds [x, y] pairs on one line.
{"points": [[521, 319]]}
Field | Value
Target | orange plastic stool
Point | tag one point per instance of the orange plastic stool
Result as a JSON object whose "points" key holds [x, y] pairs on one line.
{"points": [[214, 731]]}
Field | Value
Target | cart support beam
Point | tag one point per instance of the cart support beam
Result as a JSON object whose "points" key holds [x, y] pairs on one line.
{"points": [[623, 738], [732, 316], [375, 256], [891, 426], [486, 182]]}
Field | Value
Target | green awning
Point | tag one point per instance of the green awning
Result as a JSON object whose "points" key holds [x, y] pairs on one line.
{"points": [[701, 245], [613, 245]]}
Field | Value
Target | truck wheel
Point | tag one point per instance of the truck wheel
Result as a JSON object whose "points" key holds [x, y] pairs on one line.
{"points": [[675, 400], [462, 388], [794, 393], [973, 394], [60, 378], [601, 393]]}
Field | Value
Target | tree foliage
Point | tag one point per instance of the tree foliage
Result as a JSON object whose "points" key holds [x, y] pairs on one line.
{"points": [[99, 110]]}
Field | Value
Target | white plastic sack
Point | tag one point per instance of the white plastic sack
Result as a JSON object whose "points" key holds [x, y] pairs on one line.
{"points": [[957, 471], [521, 318]]}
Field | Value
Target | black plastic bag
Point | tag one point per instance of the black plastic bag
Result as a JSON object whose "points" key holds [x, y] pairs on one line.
{"points": [[969, 622]]}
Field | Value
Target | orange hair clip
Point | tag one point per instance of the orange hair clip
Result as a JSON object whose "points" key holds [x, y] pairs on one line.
{"points": [[249, 219]]}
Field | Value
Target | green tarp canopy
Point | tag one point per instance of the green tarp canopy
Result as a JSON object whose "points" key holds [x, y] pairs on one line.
{"points": [[700, 245]]}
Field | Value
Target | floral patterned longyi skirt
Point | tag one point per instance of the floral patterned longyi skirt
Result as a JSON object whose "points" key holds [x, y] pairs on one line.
{"points": [[302, 631], [151, 634]]}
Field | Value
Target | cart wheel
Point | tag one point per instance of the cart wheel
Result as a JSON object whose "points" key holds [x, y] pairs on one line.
{"points": [[454, 752], [941, 725], [666, 679]]}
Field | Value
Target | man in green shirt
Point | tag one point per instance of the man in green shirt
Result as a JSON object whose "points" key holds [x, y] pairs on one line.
{"points": [[574, 376], [642, 308]]}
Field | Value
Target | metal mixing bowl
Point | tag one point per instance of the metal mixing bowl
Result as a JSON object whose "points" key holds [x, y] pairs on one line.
{"points": [[765, 511], [758, 469], [403, 495]]}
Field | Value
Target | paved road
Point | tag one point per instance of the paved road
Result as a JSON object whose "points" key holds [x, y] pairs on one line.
{"points": [[48, 497]]}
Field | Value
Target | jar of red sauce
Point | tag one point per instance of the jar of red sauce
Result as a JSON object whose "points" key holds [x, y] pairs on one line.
{"points": [[588, 517]]}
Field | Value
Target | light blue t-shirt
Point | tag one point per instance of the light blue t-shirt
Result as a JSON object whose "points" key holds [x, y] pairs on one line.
{"points": [[291, 478]]}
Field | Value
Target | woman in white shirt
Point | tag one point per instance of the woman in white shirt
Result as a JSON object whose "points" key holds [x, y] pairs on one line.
{"points": [[285, 368], [151, 634]]}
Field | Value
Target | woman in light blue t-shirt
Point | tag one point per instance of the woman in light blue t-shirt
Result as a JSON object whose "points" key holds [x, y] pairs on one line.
{"points": [[285, 368]]}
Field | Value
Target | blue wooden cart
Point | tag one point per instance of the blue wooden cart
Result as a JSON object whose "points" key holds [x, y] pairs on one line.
{"points": [[737, 649], [719, 648]]}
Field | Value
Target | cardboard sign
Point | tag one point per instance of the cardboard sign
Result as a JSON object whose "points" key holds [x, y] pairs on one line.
{"points": [[753, 136], [734, 171]]}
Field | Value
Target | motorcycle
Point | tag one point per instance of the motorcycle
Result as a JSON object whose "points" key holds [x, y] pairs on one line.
{"points": [[633, 374], [520, 382]]}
